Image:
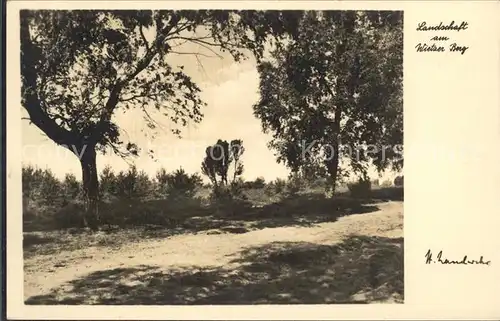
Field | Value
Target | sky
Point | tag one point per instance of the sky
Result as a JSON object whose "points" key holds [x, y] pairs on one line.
{"points": [[228, 88]]}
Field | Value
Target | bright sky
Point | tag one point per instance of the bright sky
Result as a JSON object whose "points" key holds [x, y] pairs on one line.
{"points": [[229, 89]]}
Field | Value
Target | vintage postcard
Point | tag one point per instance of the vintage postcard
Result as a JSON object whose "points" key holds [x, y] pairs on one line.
{"points": [[247, 160]]}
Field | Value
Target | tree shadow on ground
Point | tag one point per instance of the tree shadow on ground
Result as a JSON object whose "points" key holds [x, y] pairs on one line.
{"points": [[301, 211], [31, 240], [388, 194], [242, 216], [361, 269], [159, 219]]}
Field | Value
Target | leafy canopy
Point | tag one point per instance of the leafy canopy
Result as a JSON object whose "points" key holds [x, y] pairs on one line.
{"points": [[339, 81]]}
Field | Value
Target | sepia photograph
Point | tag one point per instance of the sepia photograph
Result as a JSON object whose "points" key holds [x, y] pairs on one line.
{"points": [[212, 157]]}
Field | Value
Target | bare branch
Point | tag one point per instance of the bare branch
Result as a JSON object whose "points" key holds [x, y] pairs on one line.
{"points": [[132, 98], [194, 53], [148, 116], [201, 65], [146, 43]]}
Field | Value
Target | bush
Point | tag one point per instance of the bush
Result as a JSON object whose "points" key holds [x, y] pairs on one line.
{"points": [[275, 187], [258, 183], [361, 188], [178, 184], [108, 185], [70, 215], [295, 184], [125, 198], [228, 194], [386, 183], [399, 181], [319, 183], [31, 181], [133, 184], [72, 187], [42, 186]]}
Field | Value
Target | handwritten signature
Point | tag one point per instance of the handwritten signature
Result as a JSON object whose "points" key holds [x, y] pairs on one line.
{"points": [[465, 261]]}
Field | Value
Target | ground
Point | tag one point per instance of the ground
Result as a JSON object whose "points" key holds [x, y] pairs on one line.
{"points": [[354, 258]]}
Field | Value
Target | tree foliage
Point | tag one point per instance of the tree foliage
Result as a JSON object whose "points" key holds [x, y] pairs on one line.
{"points": [[178, 183], [337, 84], [41, 184], [133, 184], [220, 159], [107, 179]]}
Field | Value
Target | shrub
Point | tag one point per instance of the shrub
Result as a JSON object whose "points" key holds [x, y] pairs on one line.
{"points": [[50, 189], [319, 183], [178, 183], [386, 183], [70, 215], [258, 183], [295, 184], [41, 186], [399, 181], [108, 183], [31, 181], [72, 187], [228, 193], [275, 187], [133, 184], [361, 188]]}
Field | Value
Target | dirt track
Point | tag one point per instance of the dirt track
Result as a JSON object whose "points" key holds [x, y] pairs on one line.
{"points": [[46, 273]]}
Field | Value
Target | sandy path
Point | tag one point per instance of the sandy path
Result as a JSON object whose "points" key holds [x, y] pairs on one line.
{"points": [[43, 273]]}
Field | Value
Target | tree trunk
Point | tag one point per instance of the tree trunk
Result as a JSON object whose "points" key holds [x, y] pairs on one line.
{"points": [[90, 188], [333, 162], [333, 166]]}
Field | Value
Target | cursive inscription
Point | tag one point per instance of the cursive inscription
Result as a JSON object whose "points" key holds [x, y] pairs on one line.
{"points": [[441, 43], [465, 261], [441, 26], [423, 47], [456, 48]]}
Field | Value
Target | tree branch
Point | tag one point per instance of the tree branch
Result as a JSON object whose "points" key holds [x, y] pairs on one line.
{"points": [[193, 53], [31, 102], [146, 43]]}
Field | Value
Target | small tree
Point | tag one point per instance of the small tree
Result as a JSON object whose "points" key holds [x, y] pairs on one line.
{"points": [[259, 182], [275, 187], [31, 181], [218, 160], [295, 184], [386, 183], [71, 187], [360, 188], [108, 184], [178, 183], [50, 188], [133, 184]]}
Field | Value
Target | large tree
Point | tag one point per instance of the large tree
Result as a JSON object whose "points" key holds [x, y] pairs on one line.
{"points": [[80, 67], [332, 95]]}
